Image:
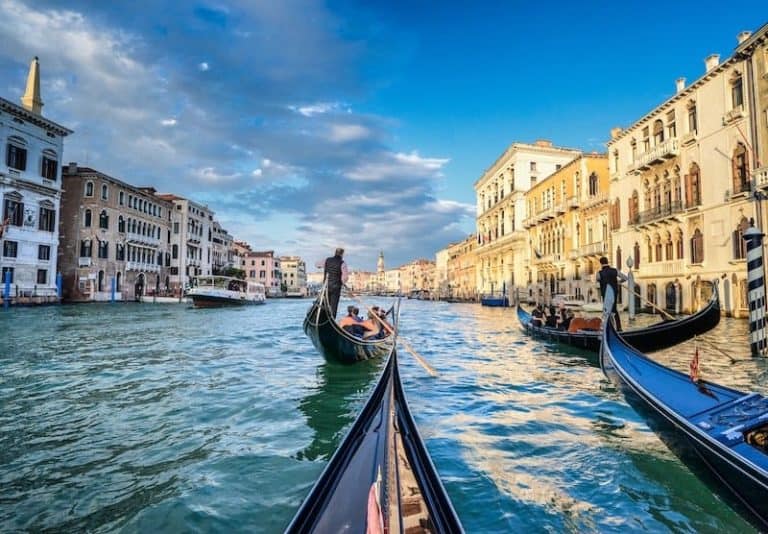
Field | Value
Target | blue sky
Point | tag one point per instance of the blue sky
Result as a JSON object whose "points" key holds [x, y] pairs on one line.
{"points": [[309, 125]]}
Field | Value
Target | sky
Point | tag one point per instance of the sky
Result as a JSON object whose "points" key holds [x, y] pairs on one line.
{"points": [[310, 125]]}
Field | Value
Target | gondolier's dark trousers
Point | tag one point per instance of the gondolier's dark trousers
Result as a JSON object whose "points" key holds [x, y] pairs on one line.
{"points": [[615, 315], [334, 291]]}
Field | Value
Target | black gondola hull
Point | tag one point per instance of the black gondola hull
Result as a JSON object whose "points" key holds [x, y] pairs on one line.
{"points": [[334, 343], [649, 339]]}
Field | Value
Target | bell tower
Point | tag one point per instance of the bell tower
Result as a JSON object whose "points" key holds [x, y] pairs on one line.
{"points": [[31, 100]]}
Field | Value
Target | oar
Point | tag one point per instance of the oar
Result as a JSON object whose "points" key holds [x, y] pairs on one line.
{"points": [[666, 313], [431, 370]]}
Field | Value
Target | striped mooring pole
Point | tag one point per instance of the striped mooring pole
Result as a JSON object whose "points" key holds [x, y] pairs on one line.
{"points": [[756, 284]]}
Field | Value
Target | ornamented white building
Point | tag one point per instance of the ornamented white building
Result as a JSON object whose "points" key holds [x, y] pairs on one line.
{"points": [[30, 187], [294, 276]]}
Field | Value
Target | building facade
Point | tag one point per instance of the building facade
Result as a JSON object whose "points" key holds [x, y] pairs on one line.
{"points": [[417, 276], [462, 269], [681, 191], [568, 229], [264, 267], [502, 242], [115, 238], [191, 241], [30, 188], [294, 276], [223, 248]]}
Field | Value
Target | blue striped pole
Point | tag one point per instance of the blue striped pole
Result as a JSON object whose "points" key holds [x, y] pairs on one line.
{"points": [[756, 284]]}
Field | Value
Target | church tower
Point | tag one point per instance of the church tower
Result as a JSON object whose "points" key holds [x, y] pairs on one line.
{"points": [[380, 263], [31, 100]]}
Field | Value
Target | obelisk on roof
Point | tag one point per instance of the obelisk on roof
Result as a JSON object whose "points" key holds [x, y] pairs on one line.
{"points": [[31, 99]]}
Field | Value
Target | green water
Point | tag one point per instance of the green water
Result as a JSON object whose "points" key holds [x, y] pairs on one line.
{"points": [[147, 418]]}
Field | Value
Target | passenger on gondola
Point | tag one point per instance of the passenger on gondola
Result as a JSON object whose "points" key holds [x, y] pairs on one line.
{"points": [[537, 316], [351, 322], [551, 321], [372, 325]]}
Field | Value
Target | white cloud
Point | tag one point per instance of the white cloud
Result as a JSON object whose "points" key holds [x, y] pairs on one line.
{"points": [[398, 165], [203, 67], [342, 133], [318, 108], [209, 175], [257, 172], [168, 122]]}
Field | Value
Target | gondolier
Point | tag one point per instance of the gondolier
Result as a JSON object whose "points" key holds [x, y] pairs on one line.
{"points": [[610, 276], [335, 275]]}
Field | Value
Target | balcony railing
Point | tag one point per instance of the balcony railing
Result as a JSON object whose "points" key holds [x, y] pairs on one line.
{"points": [[134, 237], [549, 258], [663, 268], [594, 200], [660, 213], [593, 249], [662, 151], [140, 266], [733, 115], [83, 262], [761, 177]]}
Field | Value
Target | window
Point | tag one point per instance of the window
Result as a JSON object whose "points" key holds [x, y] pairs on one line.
{"points": [[121, 224], [13, 211], [658, 132], [593, 184], [252, 274], [50, 167], [633, 145], [43, 252], [646, 139], [636, 252], [693, 120], [175, 228], [8, 271], [262, 274], [120, 252], [103, 219], [47, 220], [86, 248], [739, 245], [737, 92], [10, 249], [103, 249], [175, 251], [121, 198], [740, 169], [89, 189], [693, 186], [671, 127], [42, 276], [104, 192], [697, 247], [16, 154]]}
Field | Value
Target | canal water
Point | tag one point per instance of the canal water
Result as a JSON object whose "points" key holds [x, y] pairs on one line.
{"points": [[137, 418]]}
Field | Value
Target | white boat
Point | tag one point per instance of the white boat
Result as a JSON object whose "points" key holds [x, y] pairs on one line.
{"points": [[218, 291], [163, 299]]}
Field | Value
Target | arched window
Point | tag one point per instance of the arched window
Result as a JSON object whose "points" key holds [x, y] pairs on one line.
{"points": [[104, 192], [103, 219], [87, 219], [693, 186], [740, 168], [658, 132], [678, 194], [618, 258], [668, 248], [121, 224], [636, 254], [89, 189], [679, 244], [593, 185], [739, 245], [651, 292], [649, 249], [634, 208], [658, 248], [697, 247], [737, 91], [693, 121]]}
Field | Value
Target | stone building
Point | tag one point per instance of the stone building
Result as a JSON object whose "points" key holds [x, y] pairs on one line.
{"points": [[115, 238], [294, 275], [263, 267], [223, 247], [681, 190], [417, 276], [30, 188], [568, 229], [502, 242], [462, 269]]}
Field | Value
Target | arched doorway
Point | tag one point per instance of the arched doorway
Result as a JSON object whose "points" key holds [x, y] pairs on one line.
{"points": [[652, 296], [100, 283], [670, 292], [638, 298], [119, 282], [157, 284], [168, 284], [139, 287]]}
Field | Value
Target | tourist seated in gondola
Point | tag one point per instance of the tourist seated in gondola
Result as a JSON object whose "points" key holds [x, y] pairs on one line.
{"points": [[537, 316], [372, 325], [565, 319], [551, 317]]}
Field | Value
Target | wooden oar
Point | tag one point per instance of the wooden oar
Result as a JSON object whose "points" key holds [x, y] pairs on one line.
{"points": [[419, 358], [670, 316]]}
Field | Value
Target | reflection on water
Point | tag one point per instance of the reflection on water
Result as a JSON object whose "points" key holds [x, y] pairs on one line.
{"points": [[165, 418]]}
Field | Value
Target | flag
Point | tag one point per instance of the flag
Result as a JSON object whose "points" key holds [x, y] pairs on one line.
{"points": [[694, 365]]}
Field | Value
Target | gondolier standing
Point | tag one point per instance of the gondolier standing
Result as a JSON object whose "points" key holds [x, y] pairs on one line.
{"points": [[610, 276], [335, 276]]}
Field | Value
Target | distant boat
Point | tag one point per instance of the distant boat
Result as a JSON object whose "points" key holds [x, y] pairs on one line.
{"points": [[496, 301], [163, 299], [219, 291], [728, 429]]}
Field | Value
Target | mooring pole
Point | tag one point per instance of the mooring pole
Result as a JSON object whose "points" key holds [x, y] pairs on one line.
{"points": [[7, 290], [756, 284], [59, 286]]}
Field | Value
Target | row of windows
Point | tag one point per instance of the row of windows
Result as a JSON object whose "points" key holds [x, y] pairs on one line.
{"points": [[124, 253], [16, 158], [13, 214], [11, 250], [133, 225], [134, 202], [42, 275]]}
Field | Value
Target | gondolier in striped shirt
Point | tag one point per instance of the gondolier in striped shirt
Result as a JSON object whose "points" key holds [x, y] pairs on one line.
{"points": [[610, 276], [335, 276]]}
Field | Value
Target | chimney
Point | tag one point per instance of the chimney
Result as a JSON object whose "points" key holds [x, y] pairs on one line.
{"points": [[712, 61], [680, 84], [72, 168], [615, 132], [743, 36]]}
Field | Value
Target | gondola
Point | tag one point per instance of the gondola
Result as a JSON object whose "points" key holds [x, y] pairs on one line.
{"points": [[381, 476], [335, 343], [728, 429], [651, 338]]}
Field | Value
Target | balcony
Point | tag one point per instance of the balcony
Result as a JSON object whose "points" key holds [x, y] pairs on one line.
{"points": [[733, 116], [760, 176], [663, 268], [688, 139], [594, 200], [659, 213], [528, 222], [742, 191], [545, 214], [143, 267], [573, 202], [84, 262], [135, 238], [665, 150], [599, 248], [549, 258]]}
